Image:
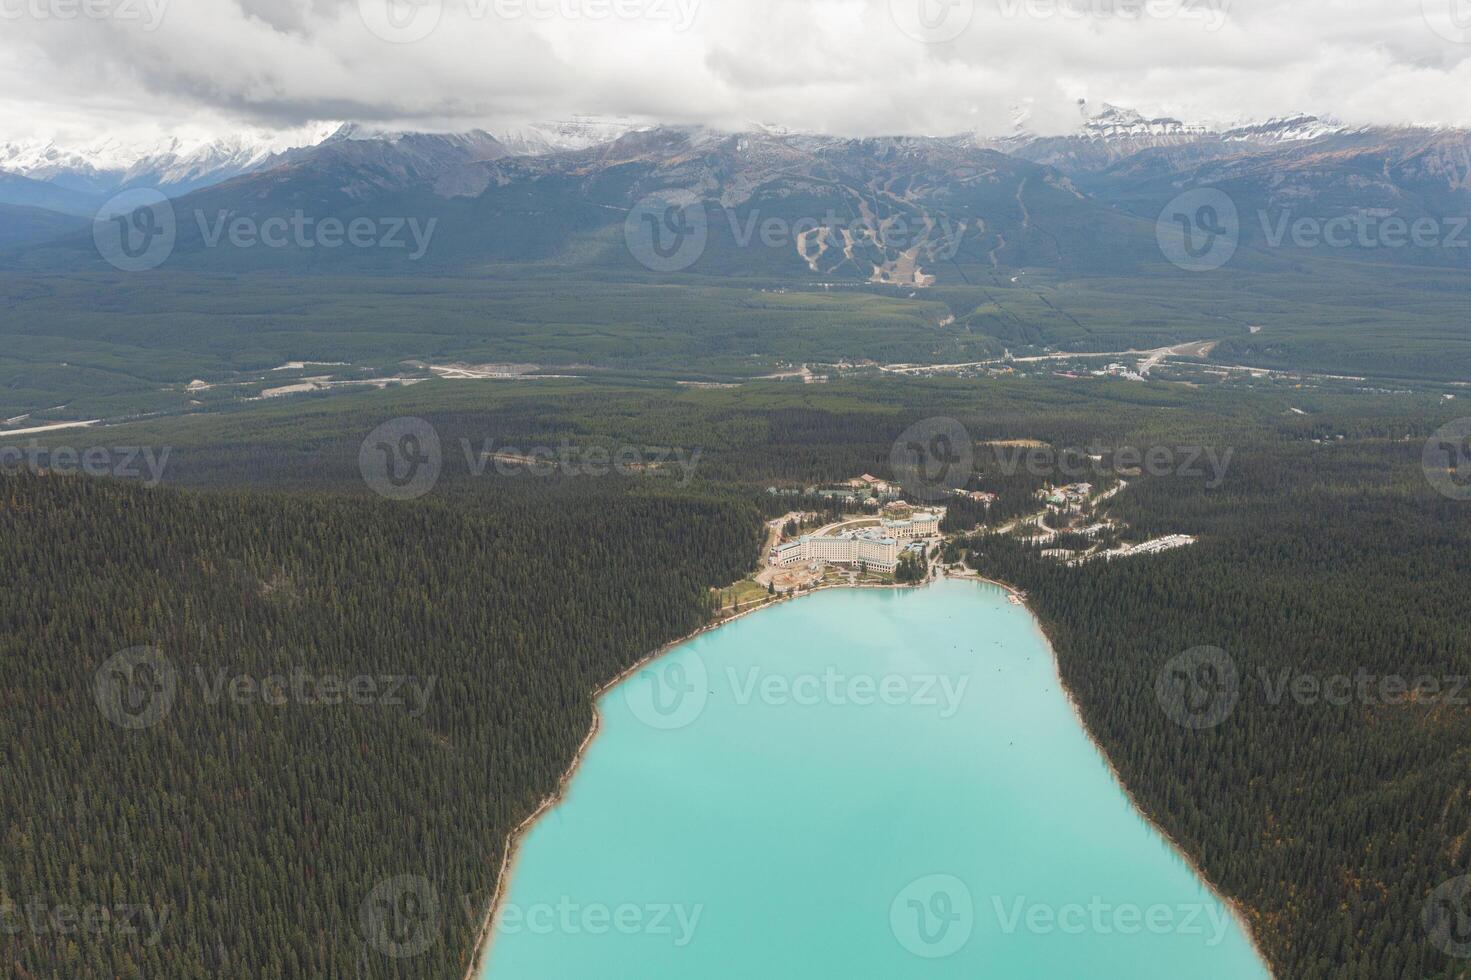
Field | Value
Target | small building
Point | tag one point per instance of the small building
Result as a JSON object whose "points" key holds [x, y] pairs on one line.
{"points": [[1073, 493]]}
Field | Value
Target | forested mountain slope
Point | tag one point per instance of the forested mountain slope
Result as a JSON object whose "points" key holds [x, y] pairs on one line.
{"points": [[254, 832], [1331, 805]]}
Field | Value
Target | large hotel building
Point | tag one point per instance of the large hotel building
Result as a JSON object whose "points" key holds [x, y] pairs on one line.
{"points": [[877, 547]]}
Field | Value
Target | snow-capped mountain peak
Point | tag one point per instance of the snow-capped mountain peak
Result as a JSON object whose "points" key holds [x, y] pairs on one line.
{"points": [[358, 132], [176, 164], [1117, 124], [576, 133], [180, 164], [1284, 129], [1113, 122]]}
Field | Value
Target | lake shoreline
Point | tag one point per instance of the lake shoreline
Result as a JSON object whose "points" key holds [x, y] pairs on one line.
{"points": [[1238, 911], [552, 800], [1018, 597]]}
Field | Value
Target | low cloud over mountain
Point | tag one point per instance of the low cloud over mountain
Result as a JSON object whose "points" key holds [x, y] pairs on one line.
{"points": [[845, 67]]}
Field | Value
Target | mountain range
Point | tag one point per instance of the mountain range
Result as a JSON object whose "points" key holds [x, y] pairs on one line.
{"points": [[908, 211], [177, 166]]}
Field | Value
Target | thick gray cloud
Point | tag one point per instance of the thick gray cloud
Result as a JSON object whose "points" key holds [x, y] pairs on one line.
{"points": [[77, 68]]}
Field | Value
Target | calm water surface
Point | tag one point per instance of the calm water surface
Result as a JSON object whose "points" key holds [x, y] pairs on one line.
{"points": [[859, 784]]}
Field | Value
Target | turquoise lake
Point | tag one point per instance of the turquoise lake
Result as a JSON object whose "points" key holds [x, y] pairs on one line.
{"points": [[858, 784]]}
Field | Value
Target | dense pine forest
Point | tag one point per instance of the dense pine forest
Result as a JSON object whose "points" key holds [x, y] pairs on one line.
{"points": [[1330, 814], [1322, 551], [255, 832]]}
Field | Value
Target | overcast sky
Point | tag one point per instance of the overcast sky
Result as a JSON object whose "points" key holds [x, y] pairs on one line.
{"points": [[81, 69]]}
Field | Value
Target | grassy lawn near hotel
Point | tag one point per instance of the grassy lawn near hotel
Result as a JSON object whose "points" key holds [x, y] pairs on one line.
{"points": [[743, 592]]}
